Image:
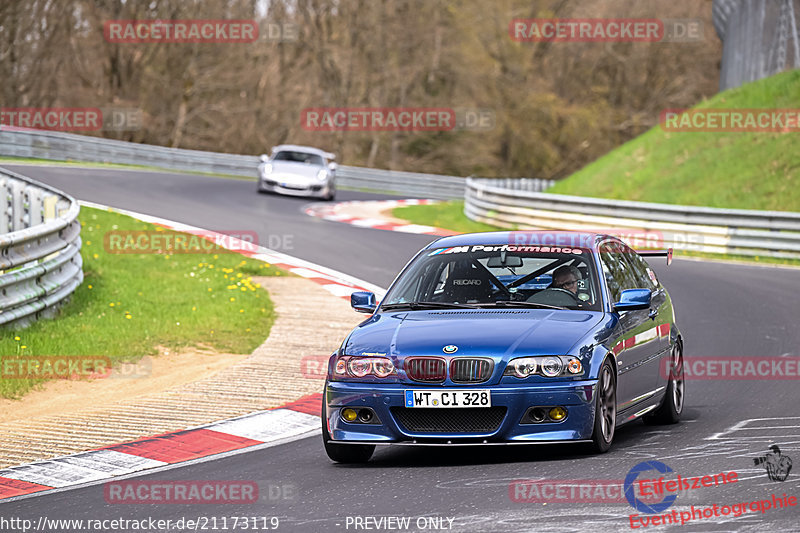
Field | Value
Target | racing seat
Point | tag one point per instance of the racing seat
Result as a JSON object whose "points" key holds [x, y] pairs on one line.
{"points": [[468, 283]]}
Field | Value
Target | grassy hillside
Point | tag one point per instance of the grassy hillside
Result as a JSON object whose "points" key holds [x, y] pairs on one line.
{"points": [[736, 170]]}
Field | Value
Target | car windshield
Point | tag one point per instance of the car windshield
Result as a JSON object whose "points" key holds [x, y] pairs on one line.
{"points": [[298, 157], [499, 275]]}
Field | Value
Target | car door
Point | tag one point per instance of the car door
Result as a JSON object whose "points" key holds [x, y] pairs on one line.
{"points": [[635, 357], [657, 332]]}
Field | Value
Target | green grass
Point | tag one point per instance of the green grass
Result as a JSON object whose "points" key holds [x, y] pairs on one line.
{"points": [[450, 215], [128, 304], [735, 170], [731, 170], [446, 215]]}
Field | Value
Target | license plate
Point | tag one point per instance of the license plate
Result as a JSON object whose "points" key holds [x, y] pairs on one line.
{"points": [[448, 398]]}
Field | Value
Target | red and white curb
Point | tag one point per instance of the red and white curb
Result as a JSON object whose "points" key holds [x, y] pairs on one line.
{"points": [[368, 214], [333, 281], [291, 421]]}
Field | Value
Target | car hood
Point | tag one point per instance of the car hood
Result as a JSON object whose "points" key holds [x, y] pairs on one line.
{"points": [[503, 333], [295, 169]]}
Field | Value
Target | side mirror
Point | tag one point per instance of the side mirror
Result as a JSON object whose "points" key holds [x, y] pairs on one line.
{"points": [[633, 299], [333, 166], [363, 302], [264, 158]]}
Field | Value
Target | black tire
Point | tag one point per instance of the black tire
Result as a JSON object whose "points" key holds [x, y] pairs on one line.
{"points": [[669, 412], [605, 413], [344, 453]]}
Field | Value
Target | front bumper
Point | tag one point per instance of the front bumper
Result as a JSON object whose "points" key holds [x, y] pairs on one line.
{"points": [[321, 189], [385, 400]]}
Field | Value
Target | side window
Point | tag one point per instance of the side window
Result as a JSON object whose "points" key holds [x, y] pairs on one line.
{"points": [[618, 272], [645, 276]]}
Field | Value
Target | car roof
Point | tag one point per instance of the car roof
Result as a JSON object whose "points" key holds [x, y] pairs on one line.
{"points": [[299, 148], [523, 237]]}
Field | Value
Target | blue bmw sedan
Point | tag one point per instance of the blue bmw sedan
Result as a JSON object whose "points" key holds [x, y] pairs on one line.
{"points": [[507, 337]]}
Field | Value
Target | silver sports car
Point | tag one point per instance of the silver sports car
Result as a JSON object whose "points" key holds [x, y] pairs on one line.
{"points": [[298, 171]]}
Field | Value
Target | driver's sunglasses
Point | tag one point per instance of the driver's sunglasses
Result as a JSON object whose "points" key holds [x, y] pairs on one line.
{"points": [[568, 283]]}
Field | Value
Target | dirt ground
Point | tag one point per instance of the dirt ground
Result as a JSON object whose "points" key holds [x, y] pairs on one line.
{"points": [[165, 371]]}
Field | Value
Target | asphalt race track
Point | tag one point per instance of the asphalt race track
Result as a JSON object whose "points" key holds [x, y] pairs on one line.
{"points": [[723, 310]]}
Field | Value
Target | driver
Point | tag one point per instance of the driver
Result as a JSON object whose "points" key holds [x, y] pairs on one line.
{"points": [[566, 277]]}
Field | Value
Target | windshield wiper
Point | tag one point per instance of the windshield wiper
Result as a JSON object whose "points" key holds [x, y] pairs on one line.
{"points": [[532, 305], [426, 305]]}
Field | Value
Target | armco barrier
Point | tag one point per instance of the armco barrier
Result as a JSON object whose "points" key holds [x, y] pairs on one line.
{"points": [[40, 260], [702, 229], [511, 203], [71, 147]]}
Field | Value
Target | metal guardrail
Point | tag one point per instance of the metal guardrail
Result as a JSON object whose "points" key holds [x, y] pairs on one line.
{"points": [[71, 147], [509, 203], [701, 229], [408, 183], [40, 260]]}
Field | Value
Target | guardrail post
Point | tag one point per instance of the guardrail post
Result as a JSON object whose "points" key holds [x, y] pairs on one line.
{"points": [[17, 214], [5, 206]]}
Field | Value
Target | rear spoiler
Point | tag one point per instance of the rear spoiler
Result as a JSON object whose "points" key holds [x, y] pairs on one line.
{"points": [[657, 253]]}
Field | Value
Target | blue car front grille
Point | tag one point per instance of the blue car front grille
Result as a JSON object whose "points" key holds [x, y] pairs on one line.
{"points": [[430, 369], [463, 420], [470, 370]]}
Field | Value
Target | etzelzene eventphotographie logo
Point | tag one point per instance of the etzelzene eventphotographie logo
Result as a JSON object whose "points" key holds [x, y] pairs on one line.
{"points": [[636, 503], [668, 487]]}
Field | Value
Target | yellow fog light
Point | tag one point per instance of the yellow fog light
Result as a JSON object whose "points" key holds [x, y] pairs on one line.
{"points": [[558, 413], [349, 414]]}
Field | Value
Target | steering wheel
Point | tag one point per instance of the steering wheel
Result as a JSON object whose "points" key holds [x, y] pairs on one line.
{"points": [[573, 295], [556, 296]]}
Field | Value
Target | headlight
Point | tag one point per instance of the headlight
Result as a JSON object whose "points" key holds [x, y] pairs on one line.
{"points": [[382, 367], [548, 365], [574, 366], [322, 174], [267, 168], [524, 366], [359, 367], [551, 367]]}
